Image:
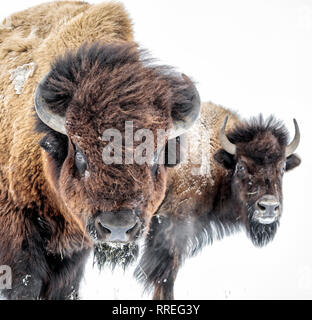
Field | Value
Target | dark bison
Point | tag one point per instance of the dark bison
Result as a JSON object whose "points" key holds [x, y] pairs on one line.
{"points": [[236, 182], [54, 185]]}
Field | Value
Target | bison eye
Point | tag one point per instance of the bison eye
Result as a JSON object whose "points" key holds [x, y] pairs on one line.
{"points": [[283, 168], [240, 169], [80, 162]]}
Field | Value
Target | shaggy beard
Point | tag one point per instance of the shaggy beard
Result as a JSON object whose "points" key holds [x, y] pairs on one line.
{"points": [[261, 234], [112, 254]]}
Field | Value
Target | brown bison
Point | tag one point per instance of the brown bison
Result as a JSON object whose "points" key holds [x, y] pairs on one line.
{"points": [[237, 183], [58, 96]]}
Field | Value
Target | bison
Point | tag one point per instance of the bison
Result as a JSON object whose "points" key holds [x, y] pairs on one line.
{"points": [[236, 184], [70, 71]]}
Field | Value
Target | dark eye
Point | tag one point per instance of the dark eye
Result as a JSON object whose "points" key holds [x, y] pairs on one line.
{"points": [[80, 162], [240, 169], [283, 168]]}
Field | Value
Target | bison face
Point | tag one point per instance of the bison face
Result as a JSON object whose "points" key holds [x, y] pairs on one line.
{"points": [[100, 88], [116, 201], [257, 156]]}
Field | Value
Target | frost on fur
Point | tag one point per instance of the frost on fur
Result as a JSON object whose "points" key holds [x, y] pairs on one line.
{"points": [[20, 75]]}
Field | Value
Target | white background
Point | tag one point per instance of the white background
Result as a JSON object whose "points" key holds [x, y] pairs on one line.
{"points": [[251, 56]]}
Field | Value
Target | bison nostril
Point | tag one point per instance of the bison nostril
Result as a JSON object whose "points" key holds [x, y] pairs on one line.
{"points": [[104, 228], [261, 207], [132, 228]]}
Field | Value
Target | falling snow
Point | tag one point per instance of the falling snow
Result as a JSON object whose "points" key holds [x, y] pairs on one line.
{"points": [[26, 280]]}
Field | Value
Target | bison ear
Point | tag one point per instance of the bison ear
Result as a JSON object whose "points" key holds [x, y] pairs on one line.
{"points": [[59, 85], [225, 159], [56, 145], [55, 91], [292, 162], [186, 105]]}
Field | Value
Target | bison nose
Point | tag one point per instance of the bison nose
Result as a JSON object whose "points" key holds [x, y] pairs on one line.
{"points": [[267, 209], [116, 226]]}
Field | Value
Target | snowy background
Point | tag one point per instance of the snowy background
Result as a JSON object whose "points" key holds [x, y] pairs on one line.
{"points": [[251, 56]]}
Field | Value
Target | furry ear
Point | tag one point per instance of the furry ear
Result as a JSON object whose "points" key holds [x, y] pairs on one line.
{"points": [[186, 105], [225, 159], [56, 145], [59, 85], [292, 162]]}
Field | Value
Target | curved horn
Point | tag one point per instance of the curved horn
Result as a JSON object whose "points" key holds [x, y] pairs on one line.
{"points": [[290, 149], [225, 142], [52, 120], [181, 126]]}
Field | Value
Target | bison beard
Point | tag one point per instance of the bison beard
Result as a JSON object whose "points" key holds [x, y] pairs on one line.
{"points": [[261, 234], [112, 254]]}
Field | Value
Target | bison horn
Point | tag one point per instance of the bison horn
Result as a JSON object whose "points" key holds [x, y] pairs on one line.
{"points": [[183, 125], [52, 120], [225, 142], [290, 149]]}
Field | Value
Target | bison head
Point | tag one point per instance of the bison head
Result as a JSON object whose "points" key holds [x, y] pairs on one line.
{"points": [[98, 88], [257, 155]]}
